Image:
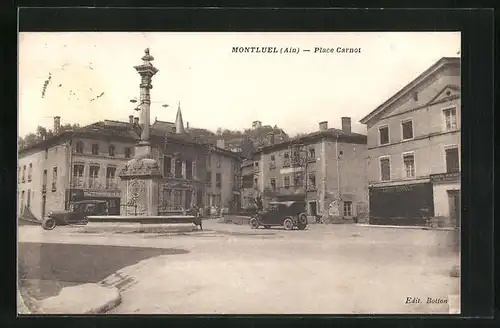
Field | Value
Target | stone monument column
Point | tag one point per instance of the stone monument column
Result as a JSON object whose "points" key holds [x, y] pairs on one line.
{"points": [[142, 173]]}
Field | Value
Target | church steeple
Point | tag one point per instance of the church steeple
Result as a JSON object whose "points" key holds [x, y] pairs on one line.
{"points": [[179, 124]]}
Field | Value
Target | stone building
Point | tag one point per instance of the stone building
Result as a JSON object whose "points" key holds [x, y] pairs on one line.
{"points": [[325, 168], [84, 164], [74, 165], [414, 148]]}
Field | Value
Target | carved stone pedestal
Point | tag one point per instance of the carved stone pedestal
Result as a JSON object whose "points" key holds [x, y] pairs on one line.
{"points": [[140, 197]]}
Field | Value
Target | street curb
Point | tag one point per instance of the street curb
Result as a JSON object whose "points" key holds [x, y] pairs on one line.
{"points": [[402, 227], [108, 306], [27, 304], [22, 308], [66, 310]]}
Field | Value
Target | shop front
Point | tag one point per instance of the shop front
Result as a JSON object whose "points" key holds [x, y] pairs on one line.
{"points": [[112, 197], [404, 204], [446, 190]]}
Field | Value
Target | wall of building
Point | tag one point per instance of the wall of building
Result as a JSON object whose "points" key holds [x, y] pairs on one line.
{"points": [[426, 92], [424, 106], [441, 201], [351, 161], [352, 170], [103, 160], [227, 167], [428, 145], [56, 156]]}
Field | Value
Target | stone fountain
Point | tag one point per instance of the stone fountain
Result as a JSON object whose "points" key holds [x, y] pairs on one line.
{"points": [[142, 173]]}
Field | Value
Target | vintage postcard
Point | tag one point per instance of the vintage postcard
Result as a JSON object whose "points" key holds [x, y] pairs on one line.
{"points": [[239, 173]]}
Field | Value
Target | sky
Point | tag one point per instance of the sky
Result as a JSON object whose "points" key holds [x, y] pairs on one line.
{"points": [[218, 88]]}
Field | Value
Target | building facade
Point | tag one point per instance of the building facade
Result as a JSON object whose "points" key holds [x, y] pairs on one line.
{"points": [[85, 164], [73, 166], [325, 168], [414, 148], [250, 182]]}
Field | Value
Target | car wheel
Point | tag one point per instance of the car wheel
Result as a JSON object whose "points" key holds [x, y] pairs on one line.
{"points": [[288, 224], [254, 223], [303, 219], [49, 224], [267, 226]]}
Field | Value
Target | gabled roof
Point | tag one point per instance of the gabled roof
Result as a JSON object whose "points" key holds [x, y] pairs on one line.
{"points": [[431, 71], [441, 94]]}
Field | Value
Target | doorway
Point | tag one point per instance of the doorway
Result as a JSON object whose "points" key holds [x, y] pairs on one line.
{"points": [[199, 198], [454, 206], [187, 200], [44, 202], [313, 209]]}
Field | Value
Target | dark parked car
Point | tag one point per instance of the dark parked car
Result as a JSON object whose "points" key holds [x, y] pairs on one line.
{"points": [[288, 214], [77, 214]]}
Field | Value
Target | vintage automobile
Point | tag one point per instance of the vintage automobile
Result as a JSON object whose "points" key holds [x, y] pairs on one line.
{"points": [[289, 214], [77, 214]]}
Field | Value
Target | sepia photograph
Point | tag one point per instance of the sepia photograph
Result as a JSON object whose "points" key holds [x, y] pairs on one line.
{"points": [[239, 173]]}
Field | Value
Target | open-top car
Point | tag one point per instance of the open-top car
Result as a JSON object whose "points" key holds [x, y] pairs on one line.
{"points": [[77, 214], [289, 214]]}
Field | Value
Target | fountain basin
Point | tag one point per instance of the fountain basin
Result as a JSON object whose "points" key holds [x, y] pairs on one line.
{"points": [[157, 219]]}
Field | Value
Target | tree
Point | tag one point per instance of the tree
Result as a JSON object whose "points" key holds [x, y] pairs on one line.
{"points": [[42, 133], [69, 127], [29, 140]]}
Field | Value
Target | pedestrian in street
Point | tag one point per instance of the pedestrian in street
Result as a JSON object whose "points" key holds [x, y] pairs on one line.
{"points": [[195, 211]]}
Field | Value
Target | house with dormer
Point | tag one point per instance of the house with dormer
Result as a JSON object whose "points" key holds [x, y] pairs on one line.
{"points": [[414, 149]]}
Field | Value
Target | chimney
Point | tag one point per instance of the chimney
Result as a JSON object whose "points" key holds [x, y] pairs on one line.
{"points": [[57, 124], [187, 125], [136, 120], [323, 126], [346, 124], [131, 119], [221, 143]]}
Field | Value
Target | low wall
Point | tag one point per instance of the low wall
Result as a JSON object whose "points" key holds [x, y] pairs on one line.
{"points": [[173, 219], [126, 227]]}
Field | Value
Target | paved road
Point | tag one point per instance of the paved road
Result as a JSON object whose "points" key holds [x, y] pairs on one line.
{"points": [[46, 268], [233, 269]]}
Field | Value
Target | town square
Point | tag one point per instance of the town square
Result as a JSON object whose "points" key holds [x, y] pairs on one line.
{"points": [[144, 189]]}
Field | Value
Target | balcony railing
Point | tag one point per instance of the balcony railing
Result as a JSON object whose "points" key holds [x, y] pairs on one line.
{"points": [[44, 188], [111, 184], [77, 182], [93, 183], [272, 166]]}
